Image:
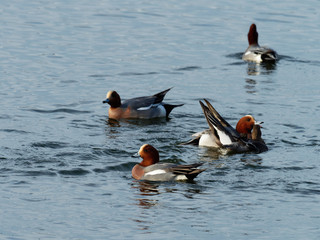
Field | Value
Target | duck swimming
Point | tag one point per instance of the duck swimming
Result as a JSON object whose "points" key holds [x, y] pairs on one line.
{"points": [[147, 107], [254, 52], [221, 135], [152, 170]]}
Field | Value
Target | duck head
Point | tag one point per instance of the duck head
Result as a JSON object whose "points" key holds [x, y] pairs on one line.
{"points": [[245, 125], [149, 155], [113, 99], [253, 35]]}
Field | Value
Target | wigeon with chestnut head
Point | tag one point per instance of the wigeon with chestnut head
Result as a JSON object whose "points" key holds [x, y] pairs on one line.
{"points": [[147, 107], [151, 169], [256, 53], [221, 135]]}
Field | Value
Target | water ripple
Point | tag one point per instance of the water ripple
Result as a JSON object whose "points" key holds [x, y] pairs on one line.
{"points": [[120, 167], [49, 144], [74, 172], [62, 110], [14, 131], [188, 68], [137, 73], [113, 15], [37, 173]]}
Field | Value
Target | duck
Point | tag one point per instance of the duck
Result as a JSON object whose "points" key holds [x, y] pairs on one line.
{"points": [[221, 135], [151, 169], [256, 53], [146, 107]]}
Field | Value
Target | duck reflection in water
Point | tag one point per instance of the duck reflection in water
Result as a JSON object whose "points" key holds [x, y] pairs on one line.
{"points": [[147, 189], [264, 68], [250, 85]]}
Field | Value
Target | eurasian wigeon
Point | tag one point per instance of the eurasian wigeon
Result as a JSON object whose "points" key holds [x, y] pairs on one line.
{"points": [[141, 107], [254, 52], [152, 170], [245, 138]]}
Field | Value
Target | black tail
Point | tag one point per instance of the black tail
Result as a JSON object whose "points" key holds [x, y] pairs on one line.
{"points": [[190, 171], [194, 174], [159, 96], [169, 108], [269, 56]]}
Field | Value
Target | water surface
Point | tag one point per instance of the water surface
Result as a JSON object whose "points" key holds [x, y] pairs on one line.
{"points": [[65, 169]]}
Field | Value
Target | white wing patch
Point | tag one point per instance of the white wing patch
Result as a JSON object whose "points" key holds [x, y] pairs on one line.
{"points": [[155, 172], [224, 138]]}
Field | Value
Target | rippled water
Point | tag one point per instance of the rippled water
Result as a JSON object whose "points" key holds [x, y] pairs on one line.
{"points": [[65, 169]]}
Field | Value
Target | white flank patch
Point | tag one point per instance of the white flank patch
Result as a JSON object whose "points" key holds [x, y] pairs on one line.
{"points": [[145, 108], [207, 140], [163, 112], [155, 172], [181, 178], [251, 56]]}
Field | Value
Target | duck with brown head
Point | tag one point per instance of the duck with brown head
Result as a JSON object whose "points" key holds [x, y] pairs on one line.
{"points": [[151, 169], [256, 53], [223, 136], [245, 125], [147, 107]]}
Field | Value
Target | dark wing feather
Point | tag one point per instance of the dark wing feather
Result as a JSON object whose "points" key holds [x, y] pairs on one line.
{"points": [[146, 101], [215, 122], [223, 122], [267, 54], [190, 171]]}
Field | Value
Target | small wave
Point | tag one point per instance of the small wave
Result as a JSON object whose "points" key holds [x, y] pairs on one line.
{"points": [[34, 199], [304, 188], [38, 173], [137, 73], [113, 15], [293, 59], [67, 154], [54, 56], [237, 55], [99, 75], [49, 144], [121, 167], [293, 168], [74, 172], [236, 63], [60, 110], [293, 126], [285, 15], [14, 131], [66, 105], [109, 152], [272, 20], [188, 68], [4, 116], [85, 126], [292, 143], [151, 14]]}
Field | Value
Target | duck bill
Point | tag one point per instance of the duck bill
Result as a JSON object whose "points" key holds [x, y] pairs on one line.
{"points": [[258, 123], [106, 100], [136, 155]]}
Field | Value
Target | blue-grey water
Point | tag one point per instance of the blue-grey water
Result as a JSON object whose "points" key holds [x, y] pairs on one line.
{"points": [[65, 169]]}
